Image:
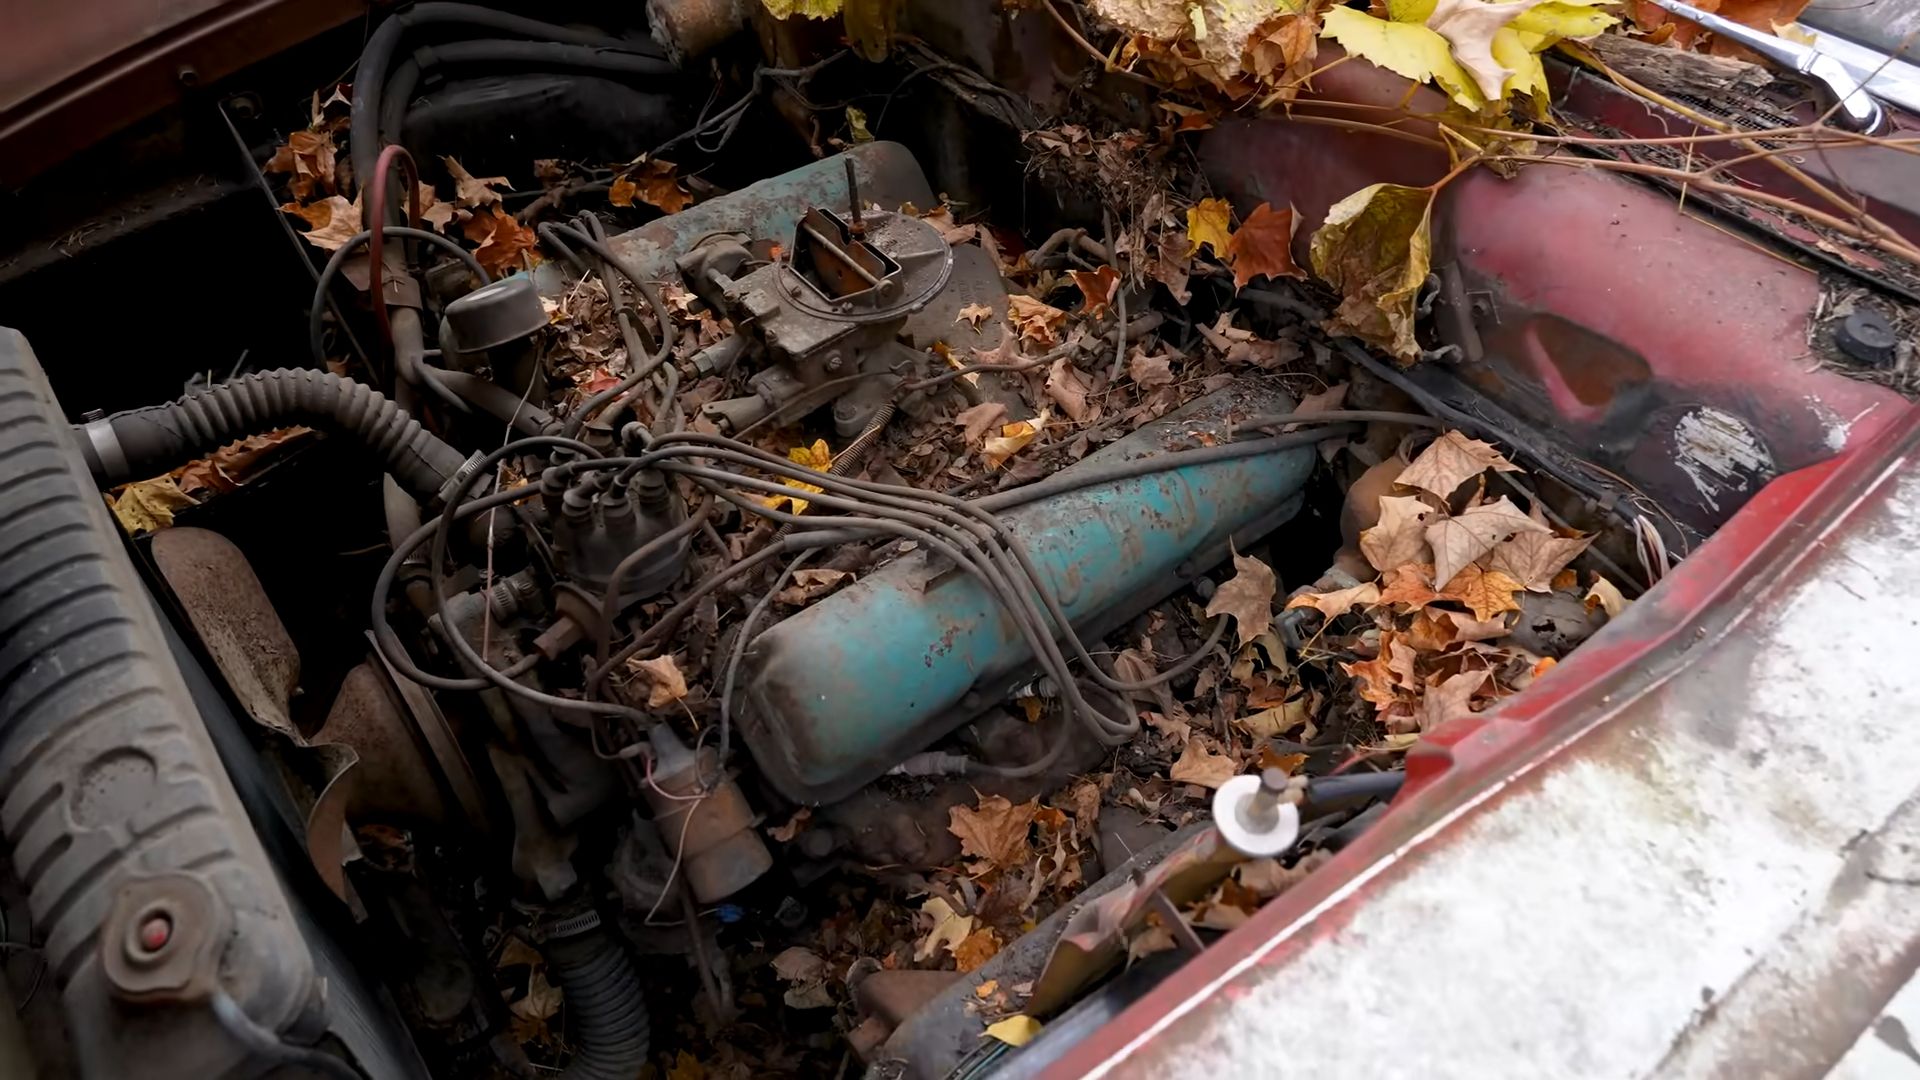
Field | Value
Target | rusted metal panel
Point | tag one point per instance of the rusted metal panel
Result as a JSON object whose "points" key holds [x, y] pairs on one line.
{"points": [[1689, 844], [71, 74]]}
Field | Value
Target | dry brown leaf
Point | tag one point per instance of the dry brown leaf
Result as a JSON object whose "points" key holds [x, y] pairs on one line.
{"points": [[1083, 802], [1401, 535], [975, 422], [1321, 401], [995, 831], [1449, 699], [504, 243], [656, 183], [1375, 249], [665, 683], [810, 585], [1281, 51], [1487, 592], [1035, 321], [1068, 388], [1375, 680], [1247, 596], [1605, 596], [1452, 460], [1278, 720], [1263, 247], [1199, 764], [1469, 629], [1149, 370], [976, 949], [1175, 729], [1464, 537], [472, 191], [1411, 585], [1533, 559], [1339, 601], [796, 823], [1098, 286], [973, 315], [331, 222]]}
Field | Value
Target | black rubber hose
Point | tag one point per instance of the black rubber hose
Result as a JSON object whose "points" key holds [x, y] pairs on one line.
{"points": [[157, 438], [376, 60], [608, 1014]]}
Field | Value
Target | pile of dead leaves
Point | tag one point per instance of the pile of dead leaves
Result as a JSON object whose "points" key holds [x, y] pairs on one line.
{"points": [[145, 506], [1458, 568]]}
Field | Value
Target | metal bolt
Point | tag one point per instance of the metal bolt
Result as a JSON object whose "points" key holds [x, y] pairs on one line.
{"points": [[188, 75], [155, 933], [834, 361], [1262, 810]]}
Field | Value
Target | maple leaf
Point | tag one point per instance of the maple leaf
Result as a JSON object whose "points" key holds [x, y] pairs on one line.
{"points": [[1411, 585], [975, 421], [504, 242], [1098, 286], [816, 457], [1199, 764], [974, 314], [1036, 321], [1263, 247], [654, 182], [994, 831], [331, 222], [1339, 601], [1533, 559], [1452, 460], [148, 505], [1375, 680], [1281, 46], [1208, 225], [1467, 629], [1068, 389], [1405, 48], [1450, 698], [1463, 538], [1486, 592], [665, 683], [1401, 535], [1375, 249], [471, 191], [1247, 596]]}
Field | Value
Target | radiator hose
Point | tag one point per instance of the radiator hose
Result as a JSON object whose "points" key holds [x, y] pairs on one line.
{"points": [[144, 442], [608, 1014]]}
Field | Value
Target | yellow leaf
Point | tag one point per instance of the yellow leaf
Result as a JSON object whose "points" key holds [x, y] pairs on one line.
{"points": [[857, 125], [1470, 27], [870, 27], [1404, 48], [996, 449], [811, 9], [816, 457], [1605, 596], [1375, 249], [1208, 225], [1563, 19], [950, 928], [1015, 1030], [148, 505]]}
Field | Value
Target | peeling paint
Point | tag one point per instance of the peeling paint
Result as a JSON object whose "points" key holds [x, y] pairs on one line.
{"points": [[1721, 454]]}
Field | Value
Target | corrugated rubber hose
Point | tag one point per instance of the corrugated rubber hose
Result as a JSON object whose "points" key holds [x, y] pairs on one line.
{"points": [[143, 442], [607, 1012]]}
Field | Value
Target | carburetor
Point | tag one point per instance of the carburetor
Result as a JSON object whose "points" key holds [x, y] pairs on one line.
{"points": [[823, 315]]}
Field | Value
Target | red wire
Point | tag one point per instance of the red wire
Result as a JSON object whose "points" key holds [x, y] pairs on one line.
{"points": [[376, 211]]}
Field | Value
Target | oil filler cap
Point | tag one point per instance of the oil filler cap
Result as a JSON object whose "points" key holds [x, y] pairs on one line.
{"points": [[492, 315], [1867, 337]]}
